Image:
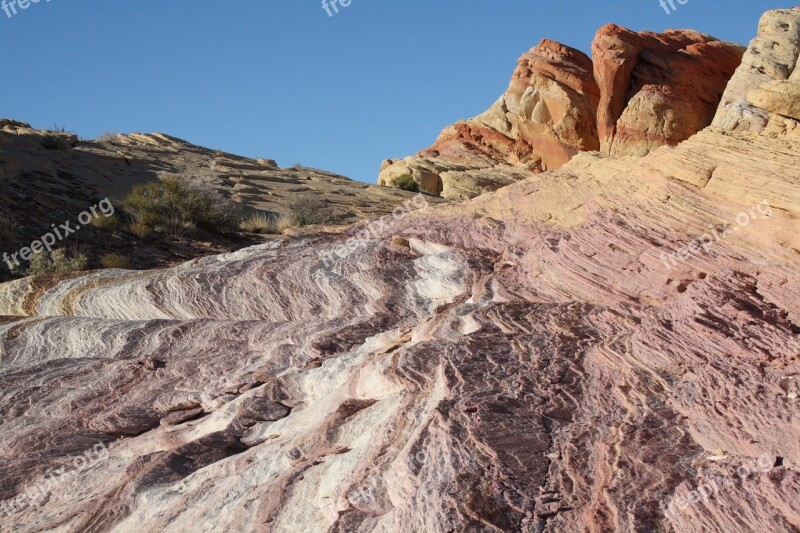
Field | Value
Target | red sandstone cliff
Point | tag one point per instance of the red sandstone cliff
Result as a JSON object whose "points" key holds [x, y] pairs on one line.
{"points": [[641, 91]]}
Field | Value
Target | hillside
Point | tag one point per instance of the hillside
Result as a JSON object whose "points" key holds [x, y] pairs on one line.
{"points": [[43, 184]]}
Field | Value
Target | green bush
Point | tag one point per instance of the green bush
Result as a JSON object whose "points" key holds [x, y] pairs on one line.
{"points": [[56, 261], [105, 223], [140, 229], [175, 207], [406, 182]]}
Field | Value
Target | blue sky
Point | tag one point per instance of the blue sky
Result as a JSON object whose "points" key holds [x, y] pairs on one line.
{"points": [[281, 79]]}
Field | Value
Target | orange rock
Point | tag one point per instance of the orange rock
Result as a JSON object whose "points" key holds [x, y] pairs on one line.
{"points": [[657, 89], [643, 90]]}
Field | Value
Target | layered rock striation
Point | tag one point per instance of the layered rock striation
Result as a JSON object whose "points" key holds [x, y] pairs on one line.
{"points": [[610, 346], [574, 352], [640, 91]]}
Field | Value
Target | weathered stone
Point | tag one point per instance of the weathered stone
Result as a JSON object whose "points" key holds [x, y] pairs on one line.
{"points": [[771, 56], [609, 346], [657, 89], [643, 90]]}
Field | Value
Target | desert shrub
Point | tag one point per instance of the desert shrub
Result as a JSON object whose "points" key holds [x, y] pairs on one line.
{"points": [[113, 260], [256, 223], [8, 229], [104, 223], [107, 136], [55, 142], [281, 223], [140, 229], [406, 182], [56, 261], [175, 207], [266, 223], [309, 211]]}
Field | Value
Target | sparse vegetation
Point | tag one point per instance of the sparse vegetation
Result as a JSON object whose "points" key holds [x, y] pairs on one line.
{"points": [[140, 229], [59, 139], [113, 260], [174, 207], [309, 211], [56, 261], [53, 141], [107, 136], [266, 223], [105, 223], [406, 182], [8, 229]]}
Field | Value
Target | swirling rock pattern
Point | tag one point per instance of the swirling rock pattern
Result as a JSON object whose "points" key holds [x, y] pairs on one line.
{"points": [[611, 346], [526, 361]]}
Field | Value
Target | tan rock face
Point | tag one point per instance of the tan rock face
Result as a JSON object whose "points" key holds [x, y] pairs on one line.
{"points": [[781, 100], [642, 91], [778, 98], [764, 93], [772, 56]]}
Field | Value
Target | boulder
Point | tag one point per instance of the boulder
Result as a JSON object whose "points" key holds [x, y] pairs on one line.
{"points": [[657, 89], [771, 56]]}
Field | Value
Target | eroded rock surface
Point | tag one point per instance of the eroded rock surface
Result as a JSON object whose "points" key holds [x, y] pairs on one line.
{"points": [[610, 346], [657, 89], [640, 91], [543, 358], [770, 59]]}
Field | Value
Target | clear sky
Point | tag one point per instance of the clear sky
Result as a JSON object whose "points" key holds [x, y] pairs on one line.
{"points": [[281, 79]]}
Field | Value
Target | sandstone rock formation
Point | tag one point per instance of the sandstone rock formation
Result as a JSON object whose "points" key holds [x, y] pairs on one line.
{"points": [[40, 187], [657, 89], [769, 61], [610, 346], [643, 90], [540, 359]]}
